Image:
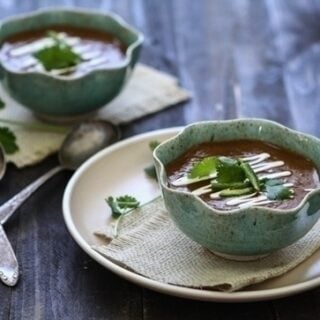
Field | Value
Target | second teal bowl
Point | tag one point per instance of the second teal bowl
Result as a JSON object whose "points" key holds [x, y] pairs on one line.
{"points": [[240, 234], [56, 96]]}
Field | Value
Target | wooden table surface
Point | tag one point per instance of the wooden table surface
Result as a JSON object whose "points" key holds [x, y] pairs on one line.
{"points": [[211, 46]]}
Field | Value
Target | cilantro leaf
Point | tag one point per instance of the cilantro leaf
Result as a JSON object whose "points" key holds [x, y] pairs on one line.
{"points": [[8, 140], [58, 56], [122, 205], [216, 186], [151, 171], [275, 190], [251, 175], [203, 168], [272, 182], [2, 104], [153, 144], [113, 204], [229, 171], [236, 192]]}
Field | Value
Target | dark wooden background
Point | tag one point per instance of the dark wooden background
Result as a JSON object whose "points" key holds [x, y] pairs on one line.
{"points": [[211, 46]]}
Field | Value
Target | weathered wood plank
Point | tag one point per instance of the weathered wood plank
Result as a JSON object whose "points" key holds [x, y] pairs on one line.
{"points": [[159, 51], [157, 306], [296, 25], [209, 46], [203, 40], [258, 68], [301, 307]]}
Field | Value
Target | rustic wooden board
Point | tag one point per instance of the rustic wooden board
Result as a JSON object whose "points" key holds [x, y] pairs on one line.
{"points": [[211, 46]]}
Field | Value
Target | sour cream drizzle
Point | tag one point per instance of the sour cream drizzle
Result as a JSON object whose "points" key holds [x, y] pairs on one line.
{"points": [[93, 53]]}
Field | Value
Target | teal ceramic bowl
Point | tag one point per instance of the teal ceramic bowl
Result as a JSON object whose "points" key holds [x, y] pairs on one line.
{"points": [[63, 97], [240, 234]]}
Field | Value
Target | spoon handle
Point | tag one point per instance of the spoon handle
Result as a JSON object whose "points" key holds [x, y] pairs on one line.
{"points": [[9, 268], [8, 208]]}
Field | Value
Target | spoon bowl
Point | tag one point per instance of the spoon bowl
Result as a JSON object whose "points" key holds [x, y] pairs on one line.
{"points": [[82, 142]]}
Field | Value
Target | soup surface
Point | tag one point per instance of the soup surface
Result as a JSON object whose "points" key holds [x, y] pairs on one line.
{"points": [[280, 173], [96, 49]]}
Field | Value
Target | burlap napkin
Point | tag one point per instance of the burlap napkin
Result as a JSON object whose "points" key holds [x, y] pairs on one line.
{"points": [[148, 91], [150, 245]]}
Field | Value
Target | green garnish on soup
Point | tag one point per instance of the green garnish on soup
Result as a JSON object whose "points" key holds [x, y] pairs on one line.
{"points": [[58, 56]]}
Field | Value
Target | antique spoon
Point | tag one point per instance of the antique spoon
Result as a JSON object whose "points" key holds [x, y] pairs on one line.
{"points": [[82, 142]]}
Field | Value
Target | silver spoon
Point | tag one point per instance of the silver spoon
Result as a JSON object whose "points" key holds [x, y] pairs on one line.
{"points": [[82, 142]]}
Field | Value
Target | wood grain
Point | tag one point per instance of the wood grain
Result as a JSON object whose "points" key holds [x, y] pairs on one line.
{"points": [[212, 47]]}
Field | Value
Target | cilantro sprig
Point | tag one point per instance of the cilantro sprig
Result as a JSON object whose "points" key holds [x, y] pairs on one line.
{"points": [[122, 205], [2, 104], [236, 192], [119, 207], [217, 186], [58, 56], [250, 175], [8, 140], [151, 170], [203, 168], [275, 190], [153, 144], [7, 137], [229, 171], [235, 177]]}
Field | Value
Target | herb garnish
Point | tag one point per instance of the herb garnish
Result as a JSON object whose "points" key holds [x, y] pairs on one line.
{"points": [[7, 137], [153, 144], [2, 104], [229, 171], [217, 186], [8, 140], [58, 56], [250, 174], [275, 190], [151, 170], [236, 192], [203, 168], [122, 205], [235, 177]]}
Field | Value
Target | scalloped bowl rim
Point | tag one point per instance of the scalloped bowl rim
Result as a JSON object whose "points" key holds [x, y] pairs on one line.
{"points": [[114, 16], [266, 210]]}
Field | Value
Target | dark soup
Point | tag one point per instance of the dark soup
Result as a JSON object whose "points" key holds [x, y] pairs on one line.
{"points": [[243, 173], [61, 50]]}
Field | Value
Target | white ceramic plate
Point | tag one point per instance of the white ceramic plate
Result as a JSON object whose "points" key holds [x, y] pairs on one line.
{"points": [[118, 170]]}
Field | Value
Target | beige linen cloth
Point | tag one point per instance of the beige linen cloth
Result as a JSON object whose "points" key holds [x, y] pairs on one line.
{"points": [[148, 91], [149, 244]]}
